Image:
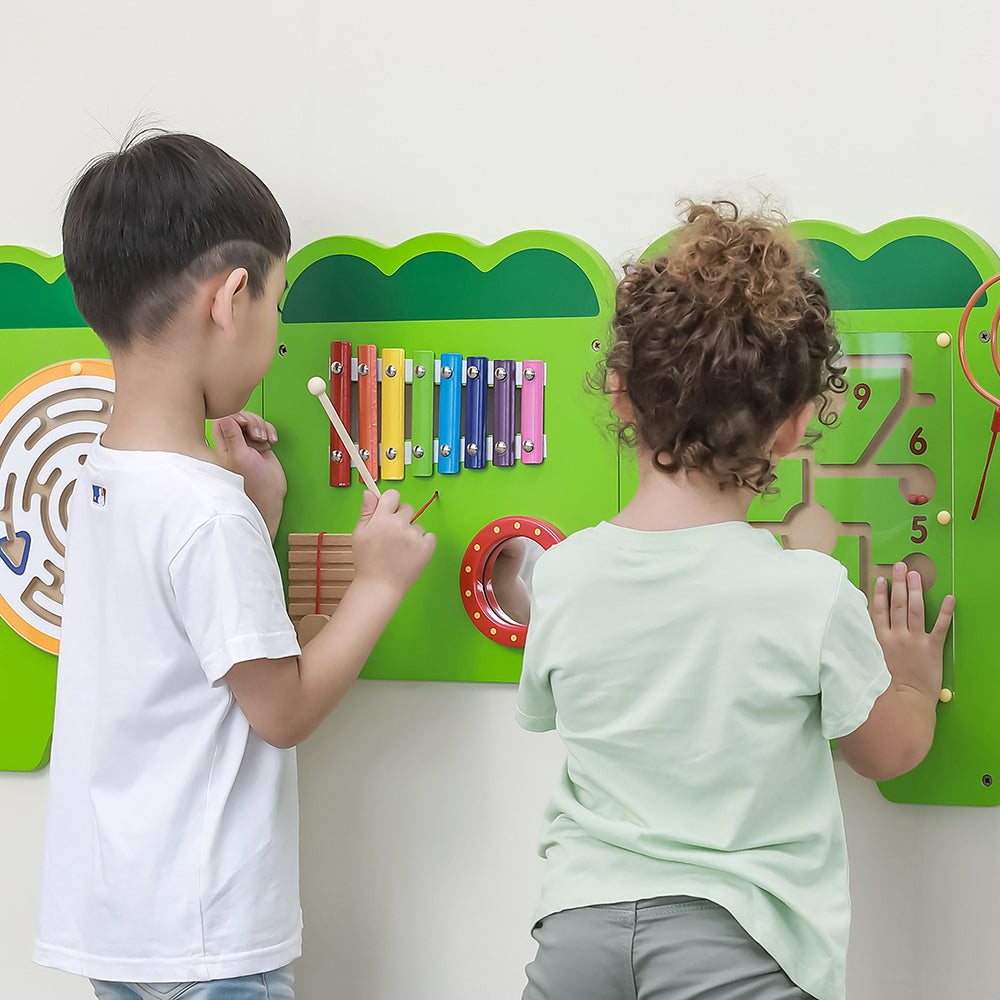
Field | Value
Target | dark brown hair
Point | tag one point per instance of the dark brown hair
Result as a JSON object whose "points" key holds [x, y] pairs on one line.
{"points": [[718, 342], [144, 225]]}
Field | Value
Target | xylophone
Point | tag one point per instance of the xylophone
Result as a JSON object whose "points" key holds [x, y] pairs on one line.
{"points": [[473, 393]]}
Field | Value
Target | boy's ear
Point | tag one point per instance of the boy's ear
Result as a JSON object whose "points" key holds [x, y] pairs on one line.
{"points": [[789, 434], [620, 401], [222, 302]]}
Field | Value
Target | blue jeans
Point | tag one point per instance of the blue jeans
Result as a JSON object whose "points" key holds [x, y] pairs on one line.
{"points": [[276, 985]]}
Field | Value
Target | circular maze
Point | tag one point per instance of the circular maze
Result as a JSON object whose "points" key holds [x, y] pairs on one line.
{"points": [[47, 423]]}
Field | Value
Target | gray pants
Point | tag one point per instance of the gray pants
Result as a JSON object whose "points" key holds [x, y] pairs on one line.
{"points": [[669, 948]]}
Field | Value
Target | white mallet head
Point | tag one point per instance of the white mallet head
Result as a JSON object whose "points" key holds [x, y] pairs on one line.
{"points": [[316, 385]]}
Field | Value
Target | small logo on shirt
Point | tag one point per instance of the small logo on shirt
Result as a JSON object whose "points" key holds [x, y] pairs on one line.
{"points": [[100, 495]]}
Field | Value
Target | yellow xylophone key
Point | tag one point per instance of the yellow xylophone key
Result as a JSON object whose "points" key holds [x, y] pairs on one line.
{"points": [[393, 383]]}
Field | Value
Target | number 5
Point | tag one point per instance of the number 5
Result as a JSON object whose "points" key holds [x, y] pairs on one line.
{"points": [[919, 529]]}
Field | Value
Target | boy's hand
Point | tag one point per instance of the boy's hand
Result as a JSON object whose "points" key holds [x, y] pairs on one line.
{"points": [[387, 547], [913, 656], [243, 443]]}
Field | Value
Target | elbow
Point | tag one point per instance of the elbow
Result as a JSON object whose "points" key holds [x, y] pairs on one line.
{"points": [[904, 762], [282, 742], [886, 766], [896, 737], [280, 736]]}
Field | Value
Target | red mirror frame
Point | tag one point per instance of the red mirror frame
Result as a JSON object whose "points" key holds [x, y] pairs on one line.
{"points": [[476, 590]]}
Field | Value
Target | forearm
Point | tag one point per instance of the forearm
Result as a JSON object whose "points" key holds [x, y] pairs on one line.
{"points": [[270, 502], [271, 512], [897, 735], [285, 700], [331, 661]]}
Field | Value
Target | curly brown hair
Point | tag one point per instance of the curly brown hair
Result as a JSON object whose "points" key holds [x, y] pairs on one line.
{"points": [[718, 342]]}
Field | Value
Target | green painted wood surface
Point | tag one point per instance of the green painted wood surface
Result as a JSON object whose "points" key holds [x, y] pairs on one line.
{"points": [[926, 270]]}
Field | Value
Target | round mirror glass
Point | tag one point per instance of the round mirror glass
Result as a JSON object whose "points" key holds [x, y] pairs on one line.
{"points": [[507, 578]]}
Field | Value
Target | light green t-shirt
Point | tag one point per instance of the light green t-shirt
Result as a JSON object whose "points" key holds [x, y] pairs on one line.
{"points": [[695, 677]]}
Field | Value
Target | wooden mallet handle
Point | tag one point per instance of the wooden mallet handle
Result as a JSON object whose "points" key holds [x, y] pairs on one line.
{"points": [[317, 387]]}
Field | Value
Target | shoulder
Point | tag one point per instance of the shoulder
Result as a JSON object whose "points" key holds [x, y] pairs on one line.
{"points": [[805, 583], [574, 549], [161, 498], [166, 481], [805, 564], [202, 494], [810, 564]]}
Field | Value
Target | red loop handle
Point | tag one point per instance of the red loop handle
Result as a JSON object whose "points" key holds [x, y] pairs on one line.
{"points": [[995, 348]]}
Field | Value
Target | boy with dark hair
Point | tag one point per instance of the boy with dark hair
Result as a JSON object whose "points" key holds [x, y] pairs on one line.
{"points": [[171, 852]]}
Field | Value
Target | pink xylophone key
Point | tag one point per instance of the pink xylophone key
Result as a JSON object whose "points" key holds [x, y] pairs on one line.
{"points": [[532, 412]]}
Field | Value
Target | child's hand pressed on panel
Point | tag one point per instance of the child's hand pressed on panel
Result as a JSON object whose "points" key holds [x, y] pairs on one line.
{"points": [[243, 443], [389, 549], [900, 727], [913, 656]]}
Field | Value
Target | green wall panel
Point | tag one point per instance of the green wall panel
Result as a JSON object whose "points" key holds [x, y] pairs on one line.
{"points": [[911, 425]]}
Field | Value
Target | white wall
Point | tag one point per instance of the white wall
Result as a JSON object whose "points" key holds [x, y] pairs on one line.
{"points": [[421, 802]]}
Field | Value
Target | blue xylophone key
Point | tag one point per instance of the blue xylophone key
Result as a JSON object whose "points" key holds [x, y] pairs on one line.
{"points": [[450, 414]]}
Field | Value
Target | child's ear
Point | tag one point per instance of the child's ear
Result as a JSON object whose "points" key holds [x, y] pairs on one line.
{"points": [[222, 302], [620, 401], [789, 434]]}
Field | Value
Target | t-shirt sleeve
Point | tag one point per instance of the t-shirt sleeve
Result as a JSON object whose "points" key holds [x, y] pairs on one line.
{"points": [[536, 708], [229, 596], [852, 666]]}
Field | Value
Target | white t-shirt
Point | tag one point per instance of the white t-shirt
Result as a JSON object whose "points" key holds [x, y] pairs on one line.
{"points": [[171, 844], [695, 678]]}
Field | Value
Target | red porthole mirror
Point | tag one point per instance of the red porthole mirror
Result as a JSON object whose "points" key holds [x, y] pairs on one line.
{"points": [[503, 553]]}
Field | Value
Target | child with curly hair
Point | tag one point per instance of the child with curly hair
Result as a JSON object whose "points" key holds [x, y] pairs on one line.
{"points": [[696, 671]]}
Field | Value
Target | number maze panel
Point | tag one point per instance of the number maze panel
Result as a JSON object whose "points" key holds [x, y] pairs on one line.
{"points": [[876, 488]]}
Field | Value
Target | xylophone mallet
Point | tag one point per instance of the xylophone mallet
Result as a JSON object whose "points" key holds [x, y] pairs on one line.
{"points": [[317, 387]]}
